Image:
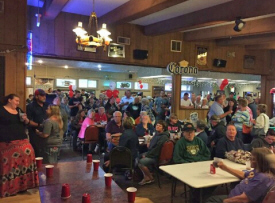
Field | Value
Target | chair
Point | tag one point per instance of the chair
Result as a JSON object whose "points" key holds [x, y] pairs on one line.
{"points": [[165, 157], [270, 195], [121, 157], [90, 137]]}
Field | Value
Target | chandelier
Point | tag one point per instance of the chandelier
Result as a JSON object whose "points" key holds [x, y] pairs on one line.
{"points": [[94, 37]]}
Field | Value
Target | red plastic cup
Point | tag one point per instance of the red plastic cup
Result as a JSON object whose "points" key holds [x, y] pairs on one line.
{"points": [[39, 161], [86, 198], [89, 158], [65, 193], [49, 170], [108, 179], [96, 164], [131, 194]]}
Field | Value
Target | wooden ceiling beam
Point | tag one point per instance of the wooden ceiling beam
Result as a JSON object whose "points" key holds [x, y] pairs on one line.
{"points": [[135, 9], [221, 13], [267, 46], [53, 8], [260, 26], [247, 40]]}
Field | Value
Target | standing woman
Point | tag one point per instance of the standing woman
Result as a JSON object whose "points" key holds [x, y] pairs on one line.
{"points": [[232, 106], [17, 167], [51, 132], [242, 117]]}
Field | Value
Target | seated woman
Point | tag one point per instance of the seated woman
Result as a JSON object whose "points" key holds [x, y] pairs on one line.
{"points": [[139, 119], [255, 184], [267, 141], [89, 120], [101, 118], [128, 139], [14, 141], [145, 128], [127, 114], [52, 131], [76, 125], [149, 158], [174, 125]]}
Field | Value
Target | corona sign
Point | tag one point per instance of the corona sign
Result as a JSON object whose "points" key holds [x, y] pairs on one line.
{"points": [[182, 68]]}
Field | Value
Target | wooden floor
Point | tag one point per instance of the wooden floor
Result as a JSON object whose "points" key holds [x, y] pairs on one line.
{"points": [[30, 196]]}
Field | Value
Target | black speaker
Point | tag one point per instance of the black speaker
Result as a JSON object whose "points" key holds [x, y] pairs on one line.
{"points": [[130, 76], [140, 54], [219, 63]]}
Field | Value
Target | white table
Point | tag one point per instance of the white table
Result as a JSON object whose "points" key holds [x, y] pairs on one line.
{"points": [[197, 174]]}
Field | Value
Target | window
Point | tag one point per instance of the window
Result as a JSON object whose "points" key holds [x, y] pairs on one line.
{"points": [[65, 82], [145, 86], [85, 83], [124, 85], [28, 81]]}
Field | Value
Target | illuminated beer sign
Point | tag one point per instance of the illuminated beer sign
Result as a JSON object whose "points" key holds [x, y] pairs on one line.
{"points": [[182, 68]]}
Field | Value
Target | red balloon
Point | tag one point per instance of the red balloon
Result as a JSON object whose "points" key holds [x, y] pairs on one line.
{"points": [[141, 86], [109, 93], [139, 81], [224, 83], [71, 93], [115, 93], [71, 88]]}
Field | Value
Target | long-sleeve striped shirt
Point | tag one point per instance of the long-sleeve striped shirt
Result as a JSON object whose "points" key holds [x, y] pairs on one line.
{"points": [[240, 118]]}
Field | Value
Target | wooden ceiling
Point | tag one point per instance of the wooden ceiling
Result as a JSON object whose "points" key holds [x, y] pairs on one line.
{"points": [[210, 23]]}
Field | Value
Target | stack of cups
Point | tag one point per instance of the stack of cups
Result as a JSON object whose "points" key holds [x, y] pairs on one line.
{"points": [[89, 158], [39, 162], [86, 198], [108, 179], [65, 193], [96, 164], [131, 194]]}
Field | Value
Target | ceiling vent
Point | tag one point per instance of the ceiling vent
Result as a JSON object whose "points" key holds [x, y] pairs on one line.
{"points": [[123, 40], [176, 46]]}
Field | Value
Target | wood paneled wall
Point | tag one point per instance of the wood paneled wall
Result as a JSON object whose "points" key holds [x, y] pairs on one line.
{"points": [[13, 23], [57, 39], [234, 64]]}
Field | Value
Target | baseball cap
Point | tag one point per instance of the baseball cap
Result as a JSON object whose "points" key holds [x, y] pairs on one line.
{"points": [[39, 92], [215, 118], [188, 127]]}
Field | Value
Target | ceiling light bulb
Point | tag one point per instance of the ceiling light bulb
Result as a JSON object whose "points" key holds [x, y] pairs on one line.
{"points": [[40, 61], [79, 30], [66, 66], [103, 32], [99, 66]]}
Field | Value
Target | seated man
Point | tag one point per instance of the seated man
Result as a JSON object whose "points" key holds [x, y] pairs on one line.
{"points": [[114, 129], [149, 158], [201, 125], [218, 131], [190, 148], [229, 142], [173, 124], [128, 139], [255, 184], [267, 141]]}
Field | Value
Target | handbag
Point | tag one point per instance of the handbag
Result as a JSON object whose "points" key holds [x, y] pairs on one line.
{"points": [[256, 132], [247, 129]]}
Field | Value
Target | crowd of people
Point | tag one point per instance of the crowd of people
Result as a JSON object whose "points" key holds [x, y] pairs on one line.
{"points": [[53, 118]]}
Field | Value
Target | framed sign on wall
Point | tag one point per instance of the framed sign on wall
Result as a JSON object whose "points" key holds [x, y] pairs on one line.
{"points": [[201, 55], [116, 50]]}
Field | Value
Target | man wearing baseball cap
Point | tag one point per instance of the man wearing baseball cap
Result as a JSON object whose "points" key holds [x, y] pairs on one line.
{"points": [[36, 112], [190, 148]]}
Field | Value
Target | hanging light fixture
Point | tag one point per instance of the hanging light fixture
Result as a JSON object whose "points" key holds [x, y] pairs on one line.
{"points": [[94, 37]]}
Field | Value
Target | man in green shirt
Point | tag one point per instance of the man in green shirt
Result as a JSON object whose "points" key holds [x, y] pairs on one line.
{"points": [[190, 148]]}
